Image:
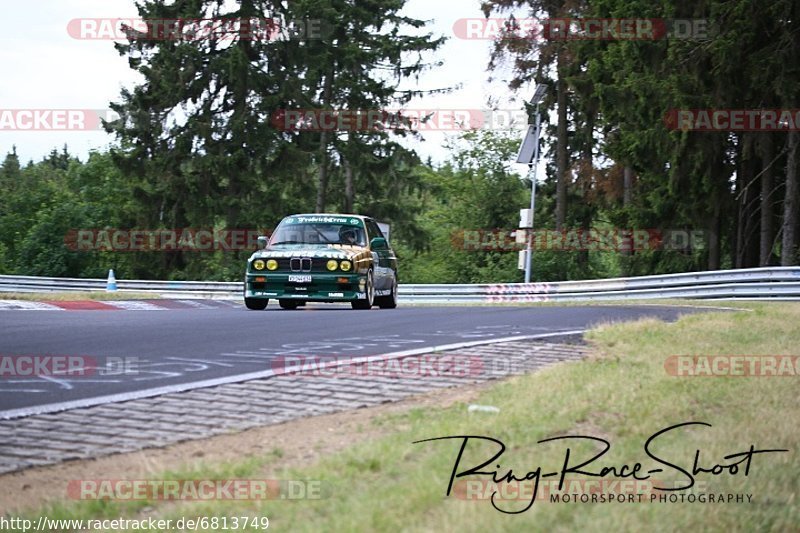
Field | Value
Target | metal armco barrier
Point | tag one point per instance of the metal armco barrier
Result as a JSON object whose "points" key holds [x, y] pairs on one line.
{"points": [[775, 283]]}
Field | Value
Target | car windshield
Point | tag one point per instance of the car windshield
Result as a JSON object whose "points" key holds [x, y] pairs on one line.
{"points": [[296, 232]]}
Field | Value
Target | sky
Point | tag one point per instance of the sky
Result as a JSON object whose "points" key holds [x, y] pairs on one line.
{"points": [[45, 68]]}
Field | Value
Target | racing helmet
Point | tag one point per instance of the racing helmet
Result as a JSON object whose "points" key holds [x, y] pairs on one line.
{"points": [[348, 235]]}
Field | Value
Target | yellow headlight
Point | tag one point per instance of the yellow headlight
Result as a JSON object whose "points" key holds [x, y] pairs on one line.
{"points": [[258, 264], [346, 265], [332, 264], [272, 264]]}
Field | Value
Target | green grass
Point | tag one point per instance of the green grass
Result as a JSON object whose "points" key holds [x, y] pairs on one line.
{"points": [[622, 392]]}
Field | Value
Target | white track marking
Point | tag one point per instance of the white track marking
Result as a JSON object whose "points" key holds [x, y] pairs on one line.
{"points": [[24, 305], [133, 305], [149, 393]]}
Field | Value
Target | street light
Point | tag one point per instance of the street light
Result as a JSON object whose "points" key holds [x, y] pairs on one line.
{"points": [[529, 154]]}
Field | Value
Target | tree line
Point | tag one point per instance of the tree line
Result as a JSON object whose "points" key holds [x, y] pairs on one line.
{"points": [[614, 99]]}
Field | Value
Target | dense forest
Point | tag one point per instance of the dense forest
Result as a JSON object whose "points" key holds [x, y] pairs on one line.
{"points": [[197, 145]]}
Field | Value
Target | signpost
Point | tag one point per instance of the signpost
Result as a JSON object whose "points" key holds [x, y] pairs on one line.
{"points": [[529, 155]]}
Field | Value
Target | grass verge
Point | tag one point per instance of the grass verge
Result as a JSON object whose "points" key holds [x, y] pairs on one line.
{"points": [[622, 394]]}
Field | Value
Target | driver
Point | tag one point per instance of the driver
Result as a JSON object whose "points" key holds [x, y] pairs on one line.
{"points": [[348, 236]]}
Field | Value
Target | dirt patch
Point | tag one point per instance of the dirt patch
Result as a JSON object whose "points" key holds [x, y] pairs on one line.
{"points": [[301, 443]]}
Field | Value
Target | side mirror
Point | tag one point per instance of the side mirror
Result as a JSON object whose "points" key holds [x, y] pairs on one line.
{"points": [[262, 242], [378, 243]]}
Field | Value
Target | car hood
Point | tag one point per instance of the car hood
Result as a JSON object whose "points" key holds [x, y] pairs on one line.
{"points": [[332, 251]]}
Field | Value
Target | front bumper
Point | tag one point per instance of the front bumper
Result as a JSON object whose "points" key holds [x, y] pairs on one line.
{"points": [[323, 287]]}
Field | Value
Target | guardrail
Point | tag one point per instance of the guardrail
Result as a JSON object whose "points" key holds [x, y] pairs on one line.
{"points": [[778, 283]]}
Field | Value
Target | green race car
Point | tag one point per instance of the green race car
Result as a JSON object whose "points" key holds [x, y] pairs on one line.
{"points": [[323, 258]]}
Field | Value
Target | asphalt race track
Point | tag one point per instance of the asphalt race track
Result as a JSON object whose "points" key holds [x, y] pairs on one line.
{"points": [[144, 350]]}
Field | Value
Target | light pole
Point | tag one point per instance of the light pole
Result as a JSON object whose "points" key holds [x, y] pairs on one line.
{"points": [[532, 137]]}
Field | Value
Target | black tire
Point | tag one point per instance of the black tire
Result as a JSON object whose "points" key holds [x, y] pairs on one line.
{"points": [[370, 289], [288, 304], [388, 302], [256, 304]]}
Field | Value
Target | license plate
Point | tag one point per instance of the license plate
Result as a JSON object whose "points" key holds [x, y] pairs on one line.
{"points": [[299, 279]]}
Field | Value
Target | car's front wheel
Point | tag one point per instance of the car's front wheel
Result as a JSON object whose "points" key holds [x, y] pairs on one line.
{"points": [[369, 289], [256, 304], [389, 301]]}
